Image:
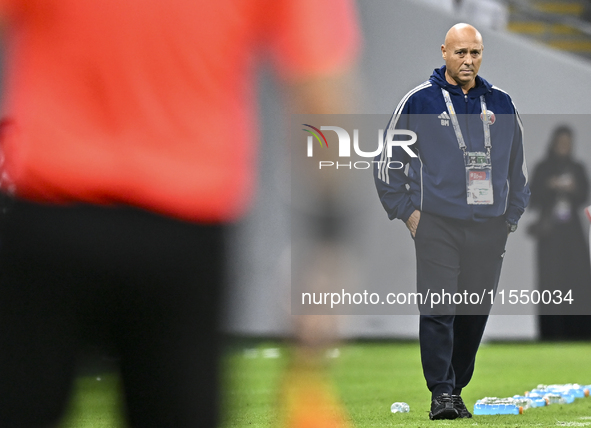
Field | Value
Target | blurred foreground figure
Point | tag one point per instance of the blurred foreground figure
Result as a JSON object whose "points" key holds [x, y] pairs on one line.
{"points": [[128, 142], [559, 190]]}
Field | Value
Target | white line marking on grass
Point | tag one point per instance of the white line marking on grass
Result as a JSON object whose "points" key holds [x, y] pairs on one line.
{"points": [[572, 424], [271, 353]]}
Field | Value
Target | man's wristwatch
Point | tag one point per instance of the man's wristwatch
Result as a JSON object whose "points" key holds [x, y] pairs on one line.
{"points": [[511, 227]]}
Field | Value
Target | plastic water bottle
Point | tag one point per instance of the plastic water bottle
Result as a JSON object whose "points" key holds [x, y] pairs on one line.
{"points": [[399, 407], [558, 394], [497, 406], [533, 400], [574, 389], [556, 398], [524, 402]]}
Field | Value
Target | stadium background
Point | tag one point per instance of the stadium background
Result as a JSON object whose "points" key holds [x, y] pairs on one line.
{"points": [[399, 52]]}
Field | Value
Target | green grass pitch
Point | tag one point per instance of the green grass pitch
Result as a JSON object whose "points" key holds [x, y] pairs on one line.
{"points": [[369, 377]]}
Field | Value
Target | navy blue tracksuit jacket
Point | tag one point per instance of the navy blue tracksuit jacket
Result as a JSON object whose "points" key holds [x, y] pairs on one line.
{"points": [[435, 180]]}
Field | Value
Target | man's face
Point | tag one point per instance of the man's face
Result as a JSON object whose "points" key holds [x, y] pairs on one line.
{"points": [[463, 55]]}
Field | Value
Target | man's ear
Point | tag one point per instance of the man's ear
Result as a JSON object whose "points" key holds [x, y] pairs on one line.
{"points": [[443, 51]]}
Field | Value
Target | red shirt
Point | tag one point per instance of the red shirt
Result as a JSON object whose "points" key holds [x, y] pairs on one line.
{"points": [[151, 102]]}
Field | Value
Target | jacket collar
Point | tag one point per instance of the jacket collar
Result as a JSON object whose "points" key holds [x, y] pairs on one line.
{"points": [[481, 87]]}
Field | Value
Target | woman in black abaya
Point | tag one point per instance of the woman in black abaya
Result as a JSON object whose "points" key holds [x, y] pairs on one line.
{"points": [[559, 189]]}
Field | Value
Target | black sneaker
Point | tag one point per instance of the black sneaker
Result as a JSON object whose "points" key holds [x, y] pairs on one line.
{"points": [[442, 407], [460, 407]]}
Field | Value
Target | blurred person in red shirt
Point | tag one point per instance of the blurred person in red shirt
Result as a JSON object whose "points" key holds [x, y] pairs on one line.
{"points": [[128, 141]]}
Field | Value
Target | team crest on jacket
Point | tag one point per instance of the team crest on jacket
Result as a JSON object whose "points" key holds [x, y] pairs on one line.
{"points": [[490, 117]]}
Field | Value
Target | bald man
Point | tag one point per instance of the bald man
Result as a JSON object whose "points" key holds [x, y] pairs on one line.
{"points": [[460, 193]]}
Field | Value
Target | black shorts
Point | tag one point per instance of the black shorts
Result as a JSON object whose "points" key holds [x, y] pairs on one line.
{"points": [[148, 284]]}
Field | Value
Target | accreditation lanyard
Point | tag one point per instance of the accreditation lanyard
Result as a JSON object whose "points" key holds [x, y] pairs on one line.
{"points": [[478, 164], [456, 125]]}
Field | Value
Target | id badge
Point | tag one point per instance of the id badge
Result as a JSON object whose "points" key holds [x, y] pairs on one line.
{"points": [[479, 188]]}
